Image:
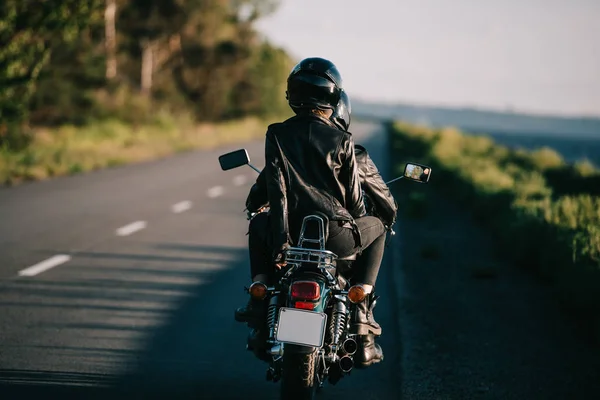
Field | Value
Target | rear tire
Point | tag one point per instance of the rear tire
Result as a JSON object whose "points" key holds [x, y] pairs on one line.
{"points": [[298, 380]]}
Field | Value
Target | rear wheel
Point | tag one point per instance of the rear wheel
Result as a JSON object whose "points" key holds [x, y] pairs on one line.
{"points": [[298, 380]]}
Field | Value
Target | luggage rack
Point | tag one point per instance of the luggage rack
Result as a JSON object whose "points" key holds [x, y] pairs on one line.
{"points": [[323, 259], [301, 255]]}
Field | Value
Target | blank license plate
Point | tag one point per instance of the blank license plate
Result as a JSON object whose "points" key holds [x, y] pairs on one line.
{"points": [[302, 327]]}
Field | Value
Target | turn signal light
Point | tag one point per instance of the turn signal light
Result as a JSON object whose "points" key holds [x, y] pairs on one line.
{"points": [[356, 294], [306, 290], [258, 290]]}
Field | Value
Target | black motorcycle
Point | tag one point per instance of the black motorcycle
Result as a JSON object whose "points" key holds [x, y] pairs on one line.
{"points": [[306, 339]]}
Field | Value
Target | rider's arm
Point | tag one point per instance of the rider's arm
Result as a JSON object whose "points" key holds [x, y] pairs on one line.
{"points": [[257, 198], [276, 192], [378, 192], [349, 175]]}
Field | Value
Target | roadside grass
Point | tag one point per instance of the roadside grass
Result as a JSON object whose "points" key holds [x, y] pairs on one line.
{"points": [[544, 214], [108, 143]]}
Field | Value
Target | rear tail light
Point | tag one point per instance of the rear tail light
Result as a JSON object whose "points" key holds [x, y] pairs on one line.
{"points": [[305, 305], [306, 290]]}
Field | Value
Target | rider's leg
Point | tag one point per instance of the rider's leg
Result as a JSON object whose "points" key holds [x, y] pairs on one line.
{"points": [[259, 266], [258, 247], [366, 269]]}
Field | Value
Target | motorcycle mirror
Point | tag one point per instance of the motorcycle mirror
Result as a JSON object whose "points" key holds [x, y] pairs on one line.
{"points": [[417, 172], [235, 159]]}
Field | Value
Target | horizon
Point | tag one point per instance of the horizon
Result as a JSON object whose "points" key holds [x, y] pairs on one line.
{"points": [[476, 108], [505, 57]]}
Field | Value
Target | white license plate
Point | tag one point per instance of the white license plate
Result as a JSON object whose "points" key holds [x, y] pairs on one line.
{"points": [[301, 327]]}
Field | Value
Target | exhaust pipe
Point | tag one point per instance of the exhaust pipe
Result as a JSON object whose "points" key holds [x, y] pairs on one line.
{"points": [[276, 350], [350, 346], [346, 364]]}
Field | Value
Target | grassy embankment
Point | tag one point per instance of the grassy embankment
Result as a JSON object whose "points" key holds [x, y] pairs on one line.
{"points": [[70, 150], [544, 214]]}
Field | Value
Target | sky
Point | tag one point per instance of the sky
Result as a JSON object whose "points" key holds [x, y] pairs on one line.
{"points": [[539, 56]]}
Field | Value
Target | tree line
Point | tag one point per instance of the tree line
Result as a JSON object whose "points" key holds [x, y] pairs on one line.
{"points": [[67, 61]]}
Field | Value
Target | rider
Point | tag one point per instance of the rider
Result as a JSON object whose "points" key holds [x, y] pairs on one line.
{"points": [[309, 149]]}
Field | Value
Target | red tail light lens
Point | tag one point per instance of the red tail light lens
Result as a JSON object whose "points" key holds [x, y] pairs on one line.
{"points": [[305, 305], [306, 290]]}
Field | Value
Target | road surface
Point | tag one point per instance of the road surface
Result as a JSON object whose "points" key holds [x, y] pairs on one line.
{"points": [[125, 281]]}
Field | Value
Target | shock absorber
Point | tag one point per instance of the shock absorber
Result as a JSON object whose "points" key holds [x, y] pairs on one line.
{"points": [[338, 319], [272, 316]]}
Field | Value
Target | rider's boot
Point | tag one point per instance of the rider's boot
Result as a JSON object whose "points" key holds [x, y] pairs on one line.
{"points": [[253, 313], [255, 316], [363, 322], [368, 352]]}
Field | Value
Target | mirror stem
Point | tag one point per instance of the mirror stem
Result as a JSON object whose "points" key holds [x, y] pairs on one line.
{"points": [[254, 168], [394, 180]]}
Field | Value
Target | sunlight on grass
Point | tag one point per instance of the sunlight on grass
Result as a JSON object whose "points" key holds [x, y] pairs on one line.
{"points": [[70, 150]]}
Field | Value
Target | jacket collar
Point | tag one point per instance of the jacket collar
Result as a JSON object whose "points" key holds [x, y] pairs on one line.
{"points": [[316, 117]]}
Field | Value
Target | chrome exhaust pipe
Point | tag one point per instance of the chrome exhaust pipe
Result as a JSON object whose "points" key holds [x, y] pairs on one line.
{"points": [[350, 346], [346, 364], [276, 350]]}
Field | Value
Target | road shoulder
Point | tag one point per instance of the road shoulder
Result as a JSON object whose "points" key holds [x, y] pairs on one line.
{"points": [[473, 327]]}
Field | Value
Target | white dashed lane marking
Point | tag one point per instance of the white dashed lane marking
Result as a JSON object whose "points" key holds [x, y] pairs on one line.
{"points": [[45, 265], [240, 180], [215, 192], [181, 206], [131, 228]]}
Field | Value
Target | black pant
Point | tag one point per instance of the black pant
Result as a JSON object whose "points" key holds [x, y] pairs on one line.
{"points": [[341, 241], [259, 245]]}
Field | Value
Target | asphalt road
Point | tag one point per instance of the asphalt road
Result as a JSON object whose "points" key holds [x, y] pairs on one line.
{"points": [[125, 281], [142, 267]]}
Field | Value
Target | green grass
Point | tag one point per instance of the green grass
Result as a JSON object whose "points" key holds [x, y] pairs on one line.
{"points": [[544, 213], [71, 150]]}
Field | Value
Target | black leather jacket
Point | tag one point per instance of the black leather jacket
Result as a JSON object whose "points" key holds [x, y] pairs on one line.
{"points": [[310, 165], [376, 191], [385, 206]]}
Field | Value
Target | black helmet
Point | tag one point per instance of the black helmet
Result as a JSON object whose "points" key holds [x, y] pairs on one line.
{"points": [[314, 83], [341, 113]]}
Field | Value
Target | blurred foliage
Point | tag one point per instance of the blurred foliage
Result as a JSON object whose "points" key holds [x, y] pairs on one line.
{"points": [[543, 212], [29, 31], [201, 59], [71, 149]]}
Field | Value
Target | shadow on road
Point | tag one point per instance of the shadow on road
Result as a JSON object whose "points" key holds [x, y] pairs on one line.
{"points": [[195, 351]]}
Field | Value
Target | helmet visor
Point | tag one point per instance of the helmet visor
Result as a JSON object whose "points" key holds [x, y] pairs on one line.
{"points": [[309, 89]]}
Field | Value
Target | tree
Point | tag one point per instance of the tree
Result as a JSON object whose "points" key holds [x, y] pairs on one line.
{"points": [[151, 23], [72, 61], [251, 10], [29, 31], [110, 13]]}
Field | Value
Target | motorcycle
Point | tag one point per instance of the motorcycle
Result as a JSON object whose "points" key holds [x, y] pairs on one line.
{"points": [[307, 339]]}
